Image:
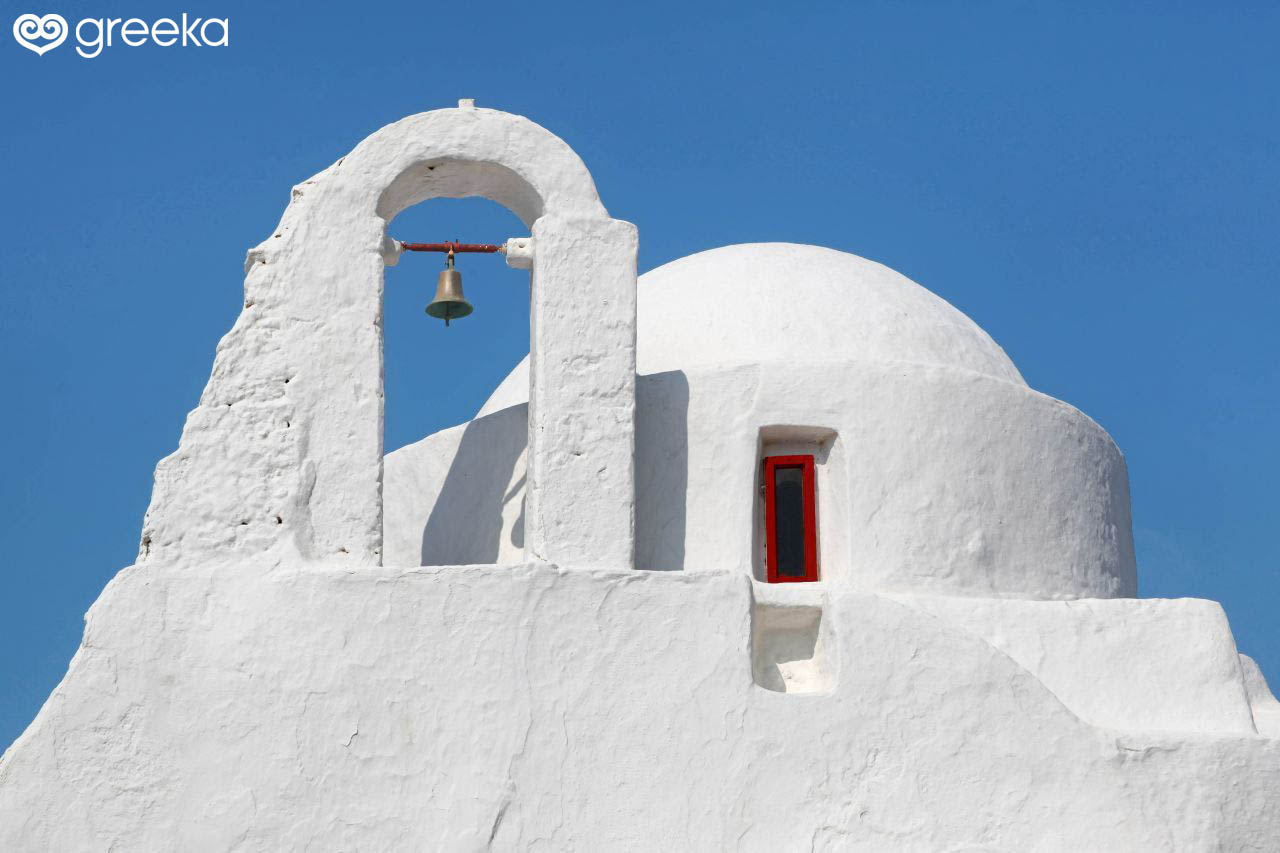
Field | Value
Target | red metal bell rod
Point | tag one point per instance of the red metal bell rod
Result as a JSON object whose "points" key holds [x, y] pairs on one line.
{"points": [[452, 246]]}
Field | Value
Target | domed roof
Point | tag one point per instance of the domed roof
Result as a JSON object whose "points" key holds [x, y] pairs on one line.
{"points": [[771, 302]]}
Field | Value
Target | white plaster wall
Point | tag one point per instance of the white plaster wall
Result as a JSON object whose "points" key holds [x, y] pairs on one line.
{"points": [[252, 708], [956, 483], [1166, 665], [457, 497], [947, 474], [580, 496], [1263, 703]]}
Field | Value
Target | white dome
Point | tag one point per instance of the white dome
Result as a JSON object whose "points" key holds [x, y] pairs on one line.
{"points": [[785, 302]]}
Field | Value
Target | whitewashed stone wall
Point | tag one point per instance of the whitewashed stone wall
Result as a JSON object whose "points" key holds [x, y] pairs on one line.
{"points": [[473, 708], [284, 454]]}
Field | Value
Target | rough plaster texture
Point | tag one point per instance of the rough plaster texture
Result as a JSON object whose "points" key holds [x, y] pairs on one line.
{"points": [[284, 453], [1266, 709], [1141, 664], [245, 707], [258, 682]]}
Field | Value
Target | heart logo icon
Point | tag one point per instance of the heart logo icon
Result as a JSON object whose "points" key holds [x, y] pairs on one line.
{"points": [[51, 27]]}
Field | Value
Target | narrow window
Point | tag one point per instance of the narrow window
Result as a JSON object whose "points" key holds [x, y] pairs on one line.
{"points": [[791, 519]]}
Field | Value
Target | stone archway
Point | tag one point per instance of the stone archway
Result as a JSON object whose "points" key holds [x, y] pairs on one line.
{"points": [[283, 456]]}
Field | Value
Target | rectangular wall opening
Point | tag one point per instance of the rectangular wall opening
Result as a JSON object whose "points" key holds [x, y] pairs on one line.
{"points": [[800, 506]]}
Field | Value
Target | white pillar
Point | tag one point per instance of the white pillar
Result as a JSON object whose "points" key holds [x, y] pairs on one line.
{"points": [[580, 495]]}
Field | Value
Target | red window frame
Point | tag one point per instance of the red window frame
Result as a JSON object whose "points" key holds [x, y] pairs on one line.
{"points": [[805, 463]]}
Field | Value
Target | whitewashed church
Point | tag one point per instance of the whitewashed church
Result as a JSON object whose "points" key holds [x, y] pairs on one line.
{"points": [[786, 569]]}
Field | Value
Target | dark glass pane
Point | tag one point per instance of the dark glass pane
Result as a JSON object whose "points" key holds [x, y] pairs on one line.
{"points": [[788, 513]]}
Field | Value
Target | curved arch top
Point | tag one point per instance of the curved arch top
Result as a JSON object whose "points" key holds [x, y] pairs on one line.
{"points": [[452, 153]]}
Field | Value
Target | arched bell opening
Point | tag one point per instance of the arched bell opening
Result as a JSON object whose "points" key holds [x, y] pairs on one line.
{"points": [[435, 377]]}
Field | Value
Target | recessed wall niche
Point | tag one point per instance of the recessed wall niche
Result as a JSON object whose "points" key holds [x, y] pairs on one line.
{"points": [[823, 444], [792, 640]]}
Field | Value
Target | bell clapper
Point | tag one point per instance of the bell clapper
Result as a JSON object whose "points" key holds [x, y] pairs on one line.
{"points": [[448, 264]]}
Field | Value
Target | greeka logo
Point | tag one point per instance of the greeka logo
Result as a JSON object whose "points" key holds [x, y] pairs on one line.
{"points": [[42, 34], [51, 27]]}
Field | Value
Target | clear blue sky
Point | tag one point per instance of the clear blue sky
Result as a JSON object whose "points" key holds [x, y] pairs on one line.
{"points": [[1097, 185]]}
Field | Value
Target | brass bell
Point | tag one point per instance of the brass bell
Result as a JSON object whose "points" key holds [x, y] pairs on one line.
{"points": [[449, 303]]}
